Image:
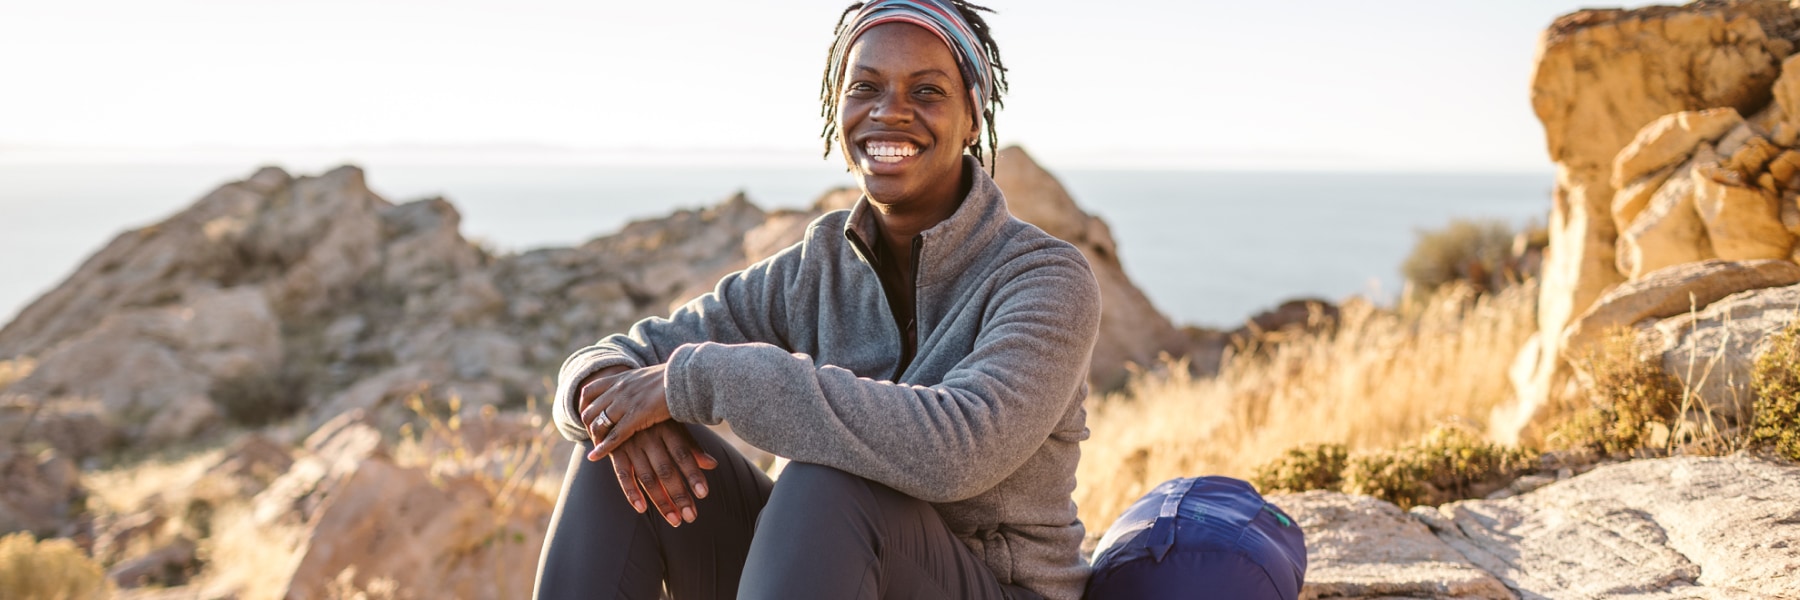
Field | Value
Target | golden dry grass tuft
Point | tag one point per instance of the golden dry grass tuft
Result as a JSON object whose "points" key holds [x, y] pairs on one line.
{"points": [[1380, 379], [52, 569]]}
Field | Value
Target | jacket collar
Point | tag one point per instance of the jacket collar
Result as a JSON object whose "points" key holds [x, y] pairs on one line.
{"points": [[953, 244]]}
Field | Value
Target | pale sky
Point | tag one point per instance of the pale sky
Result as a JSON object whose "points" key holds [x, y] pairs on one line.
{"points": [[1387, 85]]}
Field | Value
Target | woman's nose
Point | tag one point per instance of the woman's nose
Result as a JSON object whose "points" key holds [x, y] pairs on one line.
{"points": [[892, 109]]}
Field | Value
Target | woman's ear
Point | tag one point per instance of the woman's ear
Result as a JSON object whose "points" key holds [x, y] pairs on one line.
{"points": [[974, 130]]}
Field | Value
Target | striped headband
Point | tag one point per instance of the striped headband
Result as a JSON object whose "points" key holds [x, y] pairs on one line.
{"points": [[936, 16]]}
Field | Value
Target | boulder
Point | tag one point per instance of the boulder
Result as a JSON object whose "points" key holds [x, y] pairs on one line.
{"points": [[1670, 528], [1673, 291], [152, 370], [75, 428], [1665, 142], [1361, 547], [1787, 89], [1601, 76], [1714, 351], [1131, 329], [1743, 222], [1666, 232], [449, 538], [42, 492]]}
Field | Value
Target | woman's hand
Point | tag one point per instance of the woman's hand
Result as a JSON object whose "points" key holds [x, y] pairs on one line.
{"points": [[630, 401], [666, 463]]}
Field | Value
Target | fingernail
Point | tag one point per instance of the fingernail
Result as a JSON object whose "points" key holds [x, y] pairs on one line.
{"points": [[639, 505], [700, 489], [687, 514], [673, 520]]}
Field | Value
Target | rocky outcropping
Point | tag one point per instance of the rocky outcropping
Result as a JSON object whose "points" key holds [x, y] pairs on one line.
{"points": [[1667, 528], [278, 295], [1672, 144], [1361, 547]]}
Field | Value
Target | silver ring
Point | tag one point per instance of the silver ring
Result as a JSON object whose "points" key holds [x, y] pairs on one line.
{"points": [[604, 421]]}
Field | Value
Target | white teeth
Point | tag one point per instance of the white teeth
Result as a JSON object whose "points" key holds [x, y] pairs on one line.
{"points": [[889, 152]]}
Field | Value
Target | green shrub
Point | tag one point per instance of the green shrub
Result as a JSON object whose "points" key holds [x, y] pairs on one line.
{"points": [[1313, 467], [1477, 252], [52, 569], [1632, 401], [1776, 381], [1451, 463]]}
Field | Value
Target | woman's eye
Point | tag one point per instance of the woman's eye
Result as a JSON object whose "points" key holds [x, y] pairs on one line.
{"points": [[859, 88], [930, 91]]}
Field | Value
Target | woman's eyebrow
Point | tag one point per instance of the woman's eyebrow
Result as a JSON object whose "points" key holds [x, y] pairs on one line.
{"points": [[914, 75]]}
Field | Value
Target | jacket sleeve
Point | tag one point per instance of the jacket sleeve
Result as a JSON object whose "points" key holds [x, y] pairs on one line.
{"points": [[746, 306], [941, 443]]}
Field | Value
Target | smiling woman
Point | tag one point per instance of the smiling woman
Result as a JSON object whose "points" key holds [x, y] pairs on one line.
{"points": [[921, 358]]}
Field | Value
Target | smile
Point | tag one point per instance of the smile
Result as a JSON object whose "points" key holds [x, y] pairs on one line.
{"points": [[889, 152]]}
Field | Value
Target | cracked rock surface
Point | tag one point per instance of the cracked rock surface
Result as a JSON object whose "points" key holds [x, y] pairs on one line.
{"points": [[1665, 529]]}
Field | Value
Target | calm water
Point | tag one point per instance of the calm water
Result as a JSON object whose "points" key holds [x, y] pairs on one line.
{"points": [[1208, 247]]}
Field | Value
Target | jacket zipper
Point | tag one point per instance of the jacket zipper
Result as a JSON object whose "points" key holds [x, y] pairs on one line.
{"points": [[868, 257]]}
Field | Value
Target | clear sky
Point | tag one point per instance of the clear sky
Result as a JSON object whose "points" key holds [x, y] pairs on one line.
{"points": [[1386, 85]]}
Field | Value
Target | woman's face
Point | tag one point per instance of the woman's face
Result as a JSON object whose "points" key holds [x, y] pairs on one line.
{"points": [[904, 115]]}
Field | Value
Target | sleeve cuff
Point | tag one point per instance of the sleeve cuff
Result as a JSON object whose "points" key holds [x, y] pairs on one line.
{"points": [[686, 402], [568, 390]]}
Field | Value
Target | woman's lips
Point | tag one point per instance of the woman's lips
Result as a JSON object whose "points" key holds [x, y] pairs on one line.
{"points": [[890, 152], [889, 156]]}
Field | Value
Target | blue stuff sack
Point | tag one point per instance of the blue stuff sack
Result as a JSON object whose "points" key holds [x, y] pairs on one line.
{"points": [[1200, 537]]}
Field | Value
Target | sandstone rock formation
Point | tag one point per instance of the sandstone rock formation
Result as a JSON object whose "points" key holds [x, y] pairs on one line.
{"points": [[1667, 151], [1666, 529], [1673, 291]]}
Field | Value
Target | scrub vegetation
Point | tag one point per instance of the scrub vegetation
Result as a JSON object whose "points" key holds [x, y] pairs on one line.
{"points": [[51, 569], [1777, 384], [1632, 405], [1380, 379], [1481, 253], [1450, 463]]}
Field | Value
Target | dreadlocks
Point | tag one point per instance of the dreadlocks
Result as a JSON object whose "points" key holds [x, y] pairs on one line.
{"points": [[989, 59]]}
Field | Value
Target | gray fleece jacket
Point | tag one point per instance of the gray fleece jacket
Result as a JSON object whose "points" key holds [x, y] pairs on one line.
{"points": [[800, 353]]}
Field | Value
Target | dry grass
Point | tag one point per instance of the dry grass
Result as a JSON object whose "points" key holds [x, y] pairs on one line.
{"points": [[129, 488], [1383, 379], [52, 569]]}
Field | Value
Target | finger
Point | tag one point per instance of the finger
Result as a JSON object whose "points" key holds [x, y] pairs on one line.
{"points": [[646, 479], [597, 430], [624, 426], [669, 476], [622, 469], [687, 456], [591, 390]]}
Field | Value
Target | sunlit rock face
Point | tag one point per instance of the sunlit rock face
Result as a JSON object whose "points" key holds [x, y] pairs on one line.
{"points": [[1672, 145]]}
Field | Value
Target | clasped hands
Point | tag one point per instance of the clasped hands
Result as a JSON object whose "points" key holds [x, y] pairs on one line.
{"points": [[654, 457]]}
